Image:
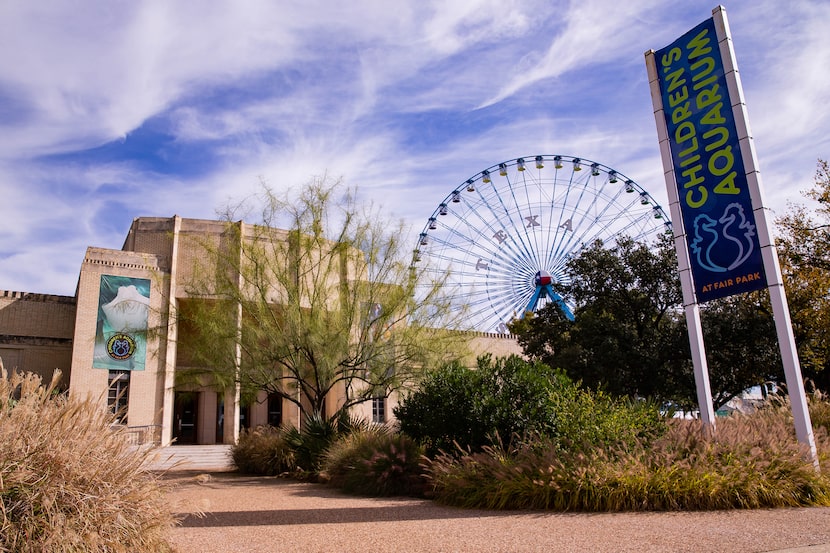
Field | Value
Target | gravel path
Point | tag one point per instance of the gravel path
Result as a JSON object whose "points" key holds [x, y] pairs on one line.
{"points": [[248, 515]]}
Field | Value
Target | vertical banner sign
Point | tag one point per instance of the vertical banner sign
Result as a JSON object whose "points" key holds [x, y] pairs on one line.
{"points": [[724, 251], [121, 334], [699, 111]]}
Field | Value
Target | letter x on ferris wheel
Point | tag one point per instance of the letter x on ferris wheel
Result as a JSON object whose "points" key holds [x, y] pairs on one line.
{"points": [[503, 237]]}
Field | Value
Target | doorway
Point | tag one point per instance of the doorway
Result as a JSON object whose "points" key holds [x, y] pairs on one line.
{"points": [[184, 417]]}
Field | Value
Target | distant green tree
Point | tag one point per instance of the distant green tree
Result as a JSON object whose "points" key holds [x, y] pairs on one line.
{"points": [[625, 337], [741, 344], [629, 335], [804, 252]]}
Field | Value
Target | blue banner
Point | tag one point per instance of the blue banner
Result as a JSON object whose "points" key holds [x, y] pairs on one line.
{"points": [[724, 251]]}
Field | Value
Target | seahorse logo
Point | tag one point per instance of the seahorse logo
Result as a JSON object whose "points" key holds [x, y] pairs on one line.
{"points": [[121, 346], [723, 244]]}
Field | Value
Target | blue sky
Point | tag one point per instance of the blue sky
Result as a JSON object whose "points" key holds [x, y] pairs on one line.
{"points": [[116, 110]]}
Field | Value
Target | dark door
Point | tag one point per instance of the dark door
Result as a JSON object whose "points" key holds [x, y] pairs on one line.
{"points": [[184, 418], [244, 417], [220, 418]]}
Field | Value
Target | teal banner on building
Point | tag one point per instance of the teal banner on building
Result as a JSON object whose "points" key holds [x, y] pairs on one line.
{"points": [[121, 333], [724, 252]]}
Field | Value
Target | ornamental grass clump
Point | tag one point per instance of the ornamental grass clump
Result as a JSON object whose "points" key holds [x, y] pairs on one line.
{"points": [[752, 461], [263, 450], [819, 406], [69, 481], [376, 462]]}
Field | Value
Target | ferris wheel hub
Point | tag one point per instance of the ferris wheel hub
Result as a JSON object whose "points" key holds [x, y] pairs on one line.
{"points": [[542, 278]]}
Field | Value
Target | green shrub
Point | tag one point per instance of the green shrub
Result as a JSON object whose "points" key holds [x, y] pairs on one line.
{"points": [[310, 441], [443, 410], [510, 399], [263, 450], [271, 451], [592, 420], [502, 400], [376, 462], [751, 462], [68, 480]]}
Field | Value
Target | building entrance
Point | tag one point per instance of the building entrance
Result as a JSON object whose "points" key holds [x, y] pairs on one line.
{"points": [[184, 417]]}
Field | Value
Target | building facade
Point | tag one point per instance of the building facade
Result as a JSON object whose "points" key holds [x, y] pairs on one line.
{"points": [[117, 340]]}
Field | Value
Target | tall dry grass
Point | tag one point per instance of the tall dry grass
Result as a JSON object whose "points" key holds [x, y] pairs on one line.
{"points": [[375, 462], [68, 480], [263, 450], [751, 462], [819, 406]]}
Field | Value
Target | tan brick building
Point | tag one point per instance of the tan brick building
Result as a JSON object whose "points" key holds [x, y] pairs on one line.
{"points": [[96, 339]]}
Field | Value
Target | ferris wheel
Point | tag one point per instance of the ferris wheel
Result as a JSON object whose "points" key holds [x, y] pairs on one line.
{"points": [[502, 238]]}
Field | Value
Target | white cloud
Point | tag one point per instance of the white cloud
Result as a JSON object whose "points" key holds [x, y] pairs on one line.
{"points": [[590, 33], [404, 100]]}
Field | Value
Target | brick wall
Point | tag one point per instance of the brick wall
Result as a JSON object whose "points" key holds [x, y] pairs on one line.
{"points": [[40, 315], [146, 386], [36, 333], [154, 236]]}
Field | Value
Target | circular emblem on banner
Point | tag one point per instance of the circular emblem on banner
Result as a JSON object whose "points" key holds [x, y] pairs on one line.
{"points": [[121, 346]]}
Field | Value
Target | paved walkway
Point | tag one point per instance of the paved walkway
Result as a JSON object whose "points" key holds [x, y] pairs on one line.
{"points": [[250, 515]]}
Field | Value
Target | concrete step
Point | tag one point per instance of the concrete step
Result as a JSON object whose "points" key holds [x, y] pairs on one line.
{"points": [[193, 457]]}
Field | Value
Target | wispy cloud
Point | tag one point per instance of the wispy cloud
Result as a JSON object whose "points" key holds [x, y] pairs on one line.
{"points": [[109, 111]]}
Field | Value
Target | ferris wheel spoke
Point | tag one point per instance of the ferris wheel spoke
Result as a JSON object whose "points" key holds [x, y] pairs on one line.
{"points": [[525, 220], [511, 221], [518, 251], [508, 309], [496, 314], [482, 314], [578, 214], [618, 227], [532, 218], [560, 206], [606, 213], [585, 232], [461, 243], [491, 234]]}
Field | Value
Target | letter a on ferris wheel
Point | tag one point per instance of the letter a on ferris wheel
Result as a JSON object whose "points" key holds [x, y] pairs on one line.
{"points": [[502, 239]]}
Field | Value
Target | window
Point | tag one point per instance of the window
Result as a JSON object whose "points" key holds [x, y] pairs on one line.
{"points": [[274, 410], [118, 395], [379, 409]]}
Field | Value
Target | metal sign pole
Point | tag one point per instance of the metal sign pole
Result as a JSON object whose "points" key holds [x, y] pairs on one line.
{"points": [[778, 298]]}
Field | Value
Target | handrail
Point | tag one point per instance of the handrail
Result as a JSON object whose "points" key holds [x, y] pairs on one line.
{"points": [[143, 434]]}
